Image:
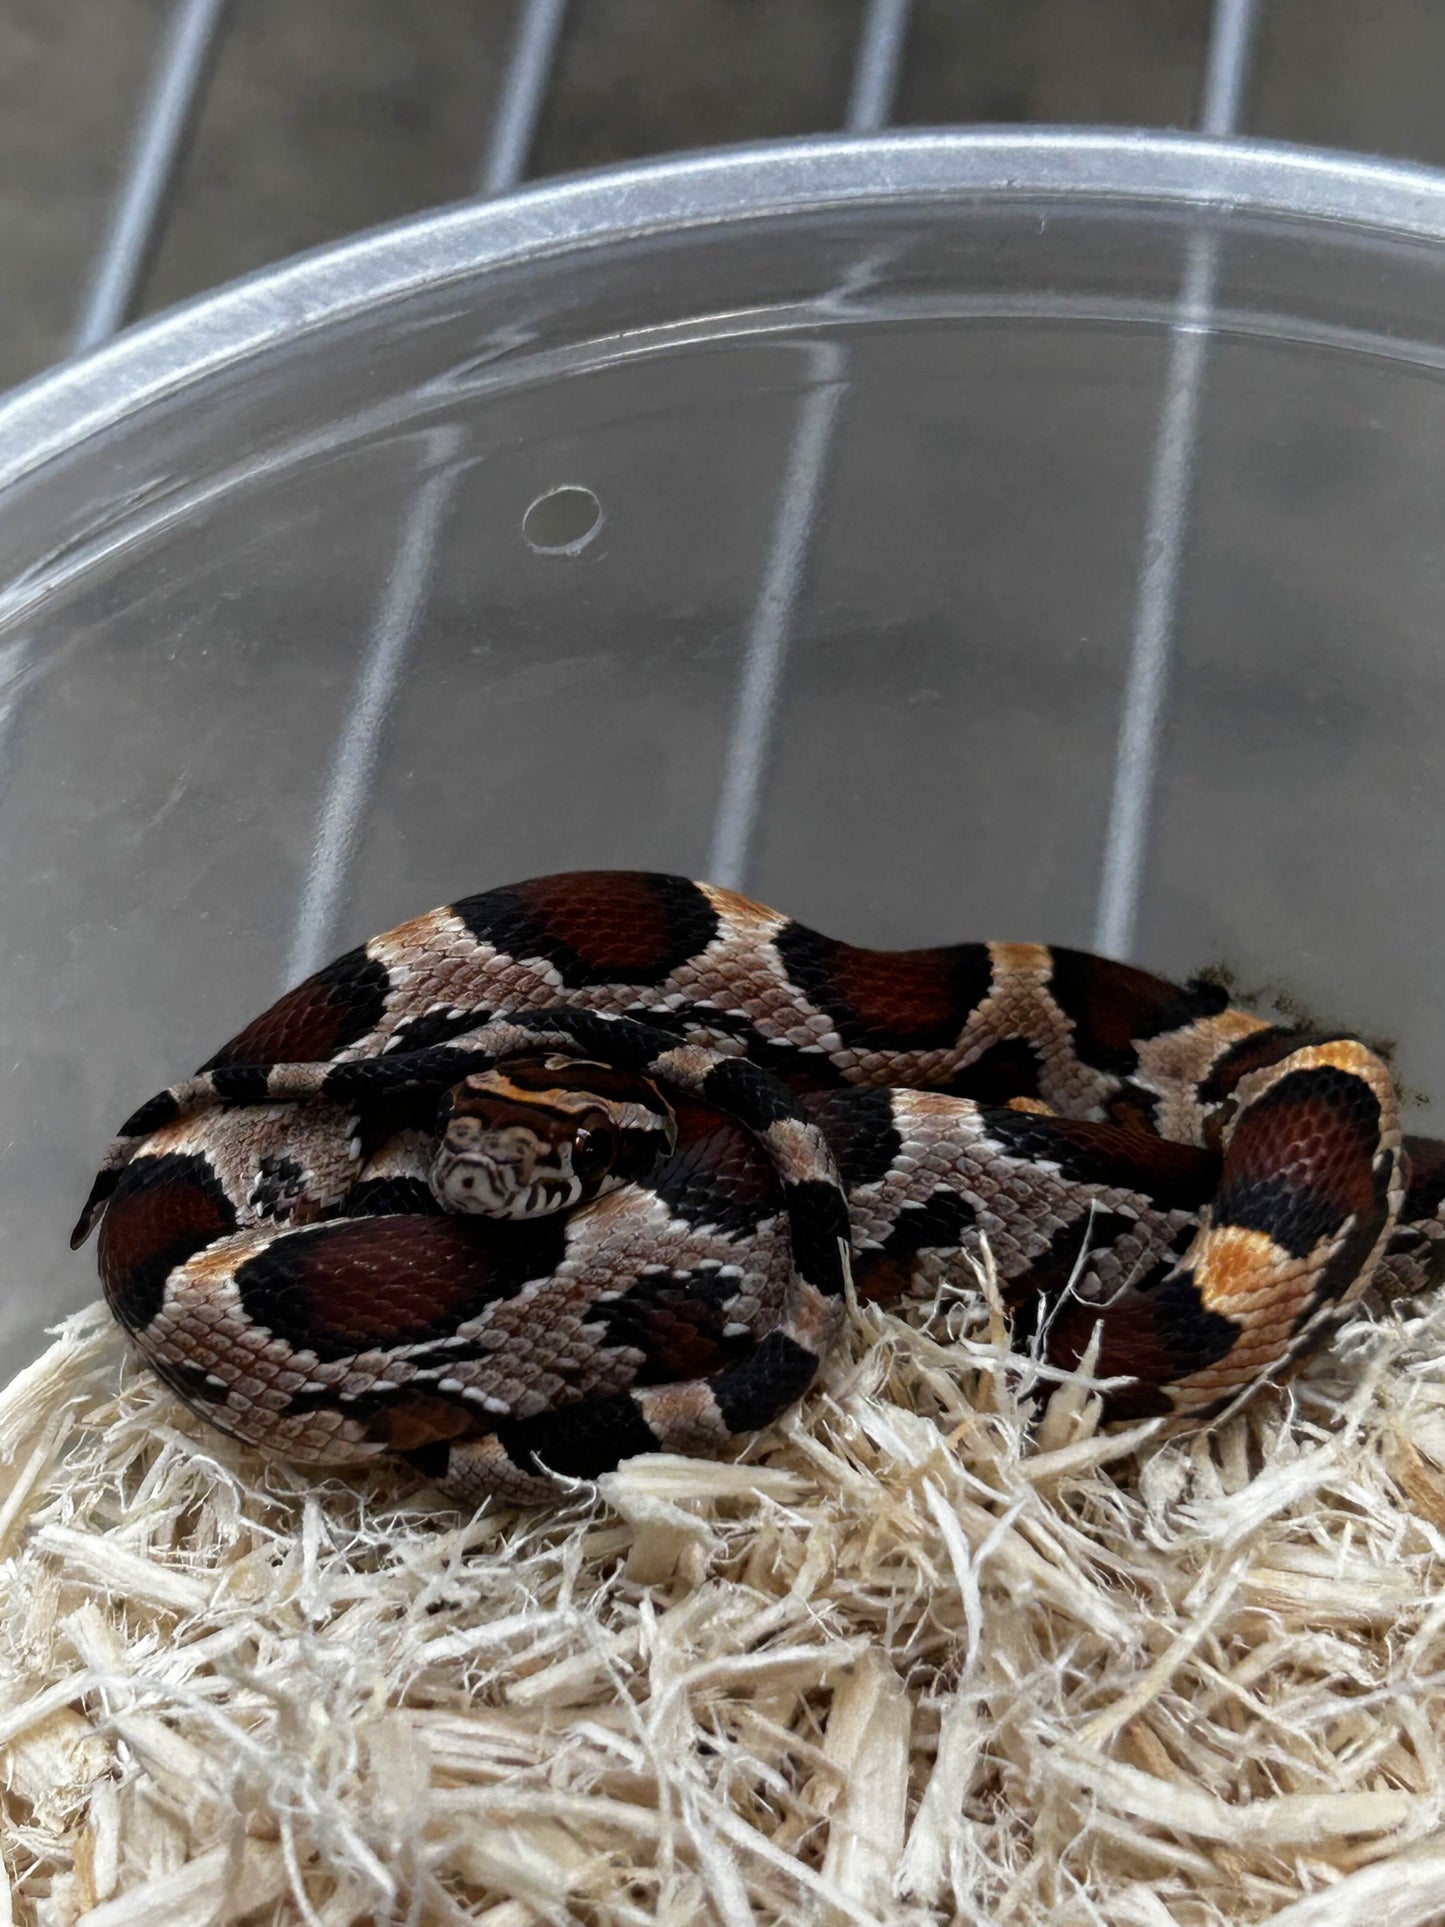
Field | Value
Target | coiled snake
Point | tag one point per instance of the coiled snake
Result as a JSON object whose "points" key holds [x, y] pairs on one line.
{"points": [[578, 1168]]}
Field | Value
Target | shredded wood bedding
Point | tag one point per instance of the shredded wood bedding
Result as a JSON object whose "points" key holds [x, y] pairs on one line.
{"points": [[935, 1650]]}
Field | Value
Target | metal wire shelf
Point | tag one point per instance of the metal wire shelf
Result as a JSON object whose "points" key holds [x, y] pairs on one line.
{"points": [[185, 64]]}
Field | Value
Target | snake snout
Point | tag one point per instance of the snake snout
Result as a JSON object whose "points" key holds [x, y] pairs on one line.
{"points": [[522, 1141], [507, 1171], [485, 1172]]}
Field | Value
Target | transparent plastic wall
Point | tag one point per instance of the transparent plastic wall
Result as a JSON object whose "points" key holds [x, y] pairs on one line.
{"points": [[897, 466]]}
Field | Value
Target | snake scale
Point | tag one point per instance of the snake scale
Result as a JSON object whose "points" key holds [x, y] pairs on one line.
{"points": [[580, 1168]]}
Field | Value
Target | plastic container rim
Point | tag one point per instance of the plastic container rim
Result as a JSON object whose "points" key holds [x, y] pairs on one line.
{"points": [[82, 398]]}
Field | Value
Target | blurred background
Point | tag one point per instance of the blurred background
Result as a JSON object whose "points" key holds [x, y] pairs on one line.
{"points": [[319, 117]]}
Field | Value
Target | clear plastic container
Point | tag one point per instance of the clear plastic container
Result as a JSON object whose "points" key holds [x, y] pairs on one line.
{"points": [[873, 537]]}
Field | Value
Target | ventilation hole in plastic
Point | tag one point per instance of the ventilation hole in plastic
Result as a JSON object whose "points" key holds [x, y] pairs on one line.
{"points": [[563, 521]]}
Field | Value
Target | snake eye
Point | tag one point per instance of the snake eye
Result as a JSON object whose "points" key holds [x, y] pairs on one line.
{"points": [[593, 1150]]}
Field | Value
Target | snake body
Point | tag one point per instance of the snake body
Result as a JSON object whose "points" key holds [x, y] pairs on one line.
{"points": [[1206, 1189]]}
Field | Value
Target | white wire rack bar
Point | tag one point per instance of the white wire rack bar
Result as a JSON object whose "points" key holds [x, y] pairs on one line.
{"points": [[351, 775], [774, 613], [876, 70], [1166, 525], [177, 89], [770, 626], [524, 92]]}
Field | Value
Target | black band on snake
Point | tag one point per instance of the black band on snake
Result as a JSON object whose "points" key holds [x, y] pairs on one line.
{"points": [[574, 1170]]}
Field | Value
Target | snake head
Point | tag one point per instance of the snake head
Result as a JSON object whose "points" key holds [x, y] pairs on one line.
{"points": [[542, 1134]]}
